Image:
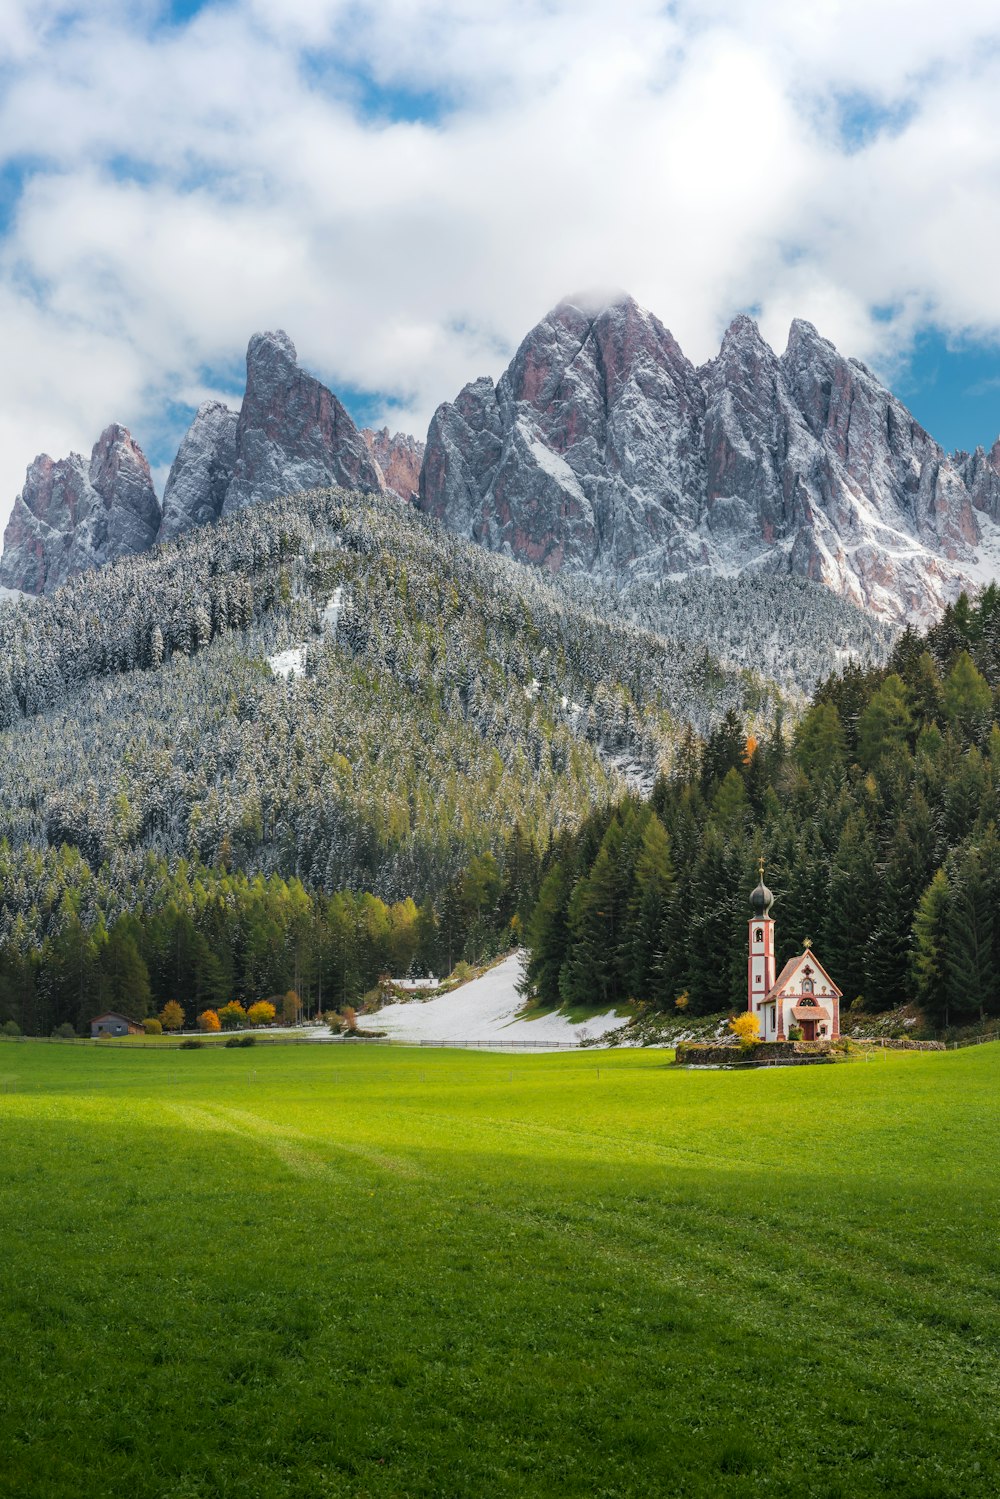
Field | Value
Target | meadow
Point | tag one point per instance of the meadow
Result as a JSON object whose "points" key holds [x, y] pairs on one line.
{"points": [[311, 1271]]}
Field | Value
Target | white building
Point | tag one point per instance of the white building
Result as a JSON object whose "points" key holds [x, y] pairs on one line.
{"points": [[802, 995]]}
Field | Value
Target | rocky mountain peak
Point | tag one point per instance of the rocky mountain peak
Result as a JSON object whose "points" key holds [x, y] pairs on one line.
{"points": [[980, 473], [201, 473], [271, 350], [602, 450], [594, 423], [744, 356], [73, 514], [399, 457], [292, 433], [742, 332], [804, 337]]}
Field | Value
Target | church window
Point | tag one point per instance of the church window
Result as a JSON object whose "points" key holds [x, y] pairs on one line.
{"points": [[807, 986]]}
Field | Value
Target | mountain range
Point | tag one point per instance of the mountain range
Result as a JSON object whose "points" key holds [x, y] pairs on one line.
{"points": [[602, 452], [291, 434]]}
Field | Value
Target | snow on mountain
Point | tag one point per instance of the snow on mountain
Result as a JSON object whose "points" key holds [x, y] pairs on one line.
{"points": [[291, 663], [201, 473], [603, 451], [291, 434], [78, 513], [399, 457]]}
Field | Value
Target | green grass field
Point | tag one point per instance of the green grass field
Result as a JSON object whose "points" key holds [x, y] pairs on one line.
{"points": [[311, 1272]]}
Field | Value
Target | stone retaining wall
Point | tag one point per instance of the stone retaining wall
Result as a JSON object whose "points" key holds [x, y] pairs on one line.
{"points": [[725, 1054], [731, 1054]]}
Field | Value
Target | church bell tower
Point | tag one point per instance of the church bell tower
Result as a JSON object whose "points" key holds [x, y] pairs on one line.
{"points": [[760, 963]]}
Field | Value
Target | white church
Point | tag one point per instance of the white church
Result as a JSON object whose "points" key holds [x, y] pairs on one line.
{"points": [[803, 994]]}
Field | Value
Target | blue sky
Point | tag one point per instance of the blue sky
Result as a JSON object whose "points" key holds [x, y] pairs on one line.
{"points": [[953, 389], [406, 187]]}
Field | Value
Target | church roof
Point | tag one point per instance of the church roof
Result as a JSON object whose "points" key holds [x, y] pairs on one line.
{"points": [[792, 967], [809, 1012]]}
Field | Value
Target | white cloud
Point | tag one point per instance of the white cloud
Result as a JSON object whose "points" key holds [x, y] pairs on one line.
{"points": [[190, 184]]}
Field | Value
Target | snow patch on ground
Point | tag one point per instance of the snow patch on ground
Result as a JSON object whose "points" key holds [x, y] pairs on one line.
{"points": [[331, 614], [638, 776], [289, 664], [482, 1010], [292, 663]]}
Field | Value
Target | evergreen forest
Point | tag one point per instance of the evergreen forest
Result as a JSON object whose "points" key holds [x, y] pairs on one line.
{"points": [[877, 818], [182, 819]]}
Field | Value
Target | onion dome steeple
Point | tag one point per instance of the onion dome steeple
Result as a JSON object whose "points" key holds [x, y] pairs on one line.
{"points": [[761, 899]]}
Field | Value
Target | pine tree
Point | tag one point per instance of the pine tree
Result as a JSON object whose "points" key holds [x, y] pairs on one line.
{"points": [[549, 935], [655, 953], [596, 964], [885, 724], [971, 974], [848, 915], [966, 697], [904, 875], [931, 948]]}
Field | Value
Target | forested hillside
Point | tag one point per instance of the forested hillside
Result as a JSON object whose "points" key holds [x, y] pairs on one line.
{"points": [[445, 712], [878, 823], [785, 627]]}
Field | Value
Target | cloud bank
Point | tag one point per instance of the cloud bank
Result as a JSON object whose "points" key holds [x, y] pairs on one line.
{"points": [[407, 186]]}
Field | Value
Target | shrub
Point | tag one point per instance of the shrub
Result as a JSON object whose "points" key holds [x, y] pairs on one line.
{"points": [[350, 1018], [11, 1028], [335, 1025], [240, 1041], [795, 1033], [232, 1016], [172, 1016], [262, 1013], [462, 972], [746, 1029], [64, 1032], [152, 1027], [191, 1043], [208, 1020]]}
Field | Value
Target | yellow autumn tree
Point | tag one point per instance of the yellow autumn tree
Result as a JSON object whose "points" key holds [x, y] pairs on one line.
{"points": [[172, 1016], [232, 1016], [262, 1013], [208, 1020], [746, 1029]]}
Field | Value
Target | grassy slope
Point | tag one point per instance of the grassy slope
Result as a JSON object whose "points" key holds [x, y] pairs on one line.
{"points": [[311, 1272]]}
